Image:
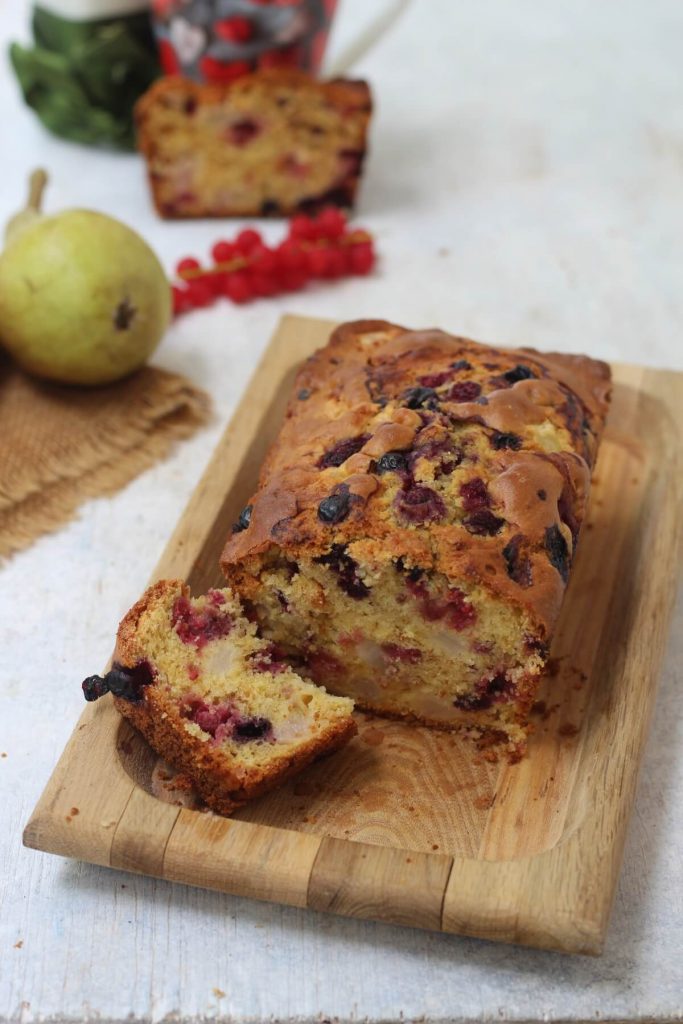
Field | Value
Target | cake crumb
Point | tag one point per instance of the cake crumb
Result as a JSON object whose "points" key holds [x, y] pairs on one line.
{"points": [[373, 737], [19, 944], [304, 787], [4, 754], [568, 729], [219, 993]]}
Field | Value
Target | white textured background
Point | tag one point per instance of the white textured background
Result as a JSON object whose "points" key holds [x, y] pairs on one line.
{"points": [[525, 186]]}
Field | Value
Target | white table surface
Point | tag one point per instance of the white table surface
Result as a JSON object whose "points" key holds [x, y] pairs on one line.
{"points": [[525, 186]]}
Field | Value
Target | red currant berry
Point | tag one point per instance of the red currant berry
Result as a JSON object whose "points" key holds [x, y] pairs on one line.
{"points": [[222, 251], [302, 227], [290, 256], [263, 260], [238, 287], [217, 283], [200, 293], [318, 261], [294, 280], [344, 258], [336, 264], [234, 30], [187, 264], [362, 258], [248, 240], [331, 222], [181, 300], [264, 284]]}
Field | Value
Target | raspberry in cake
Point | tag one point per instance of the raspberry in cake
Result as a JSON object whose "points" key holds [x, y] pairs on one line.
{"points": [[413, 530], [269, 143], [213, 699]]}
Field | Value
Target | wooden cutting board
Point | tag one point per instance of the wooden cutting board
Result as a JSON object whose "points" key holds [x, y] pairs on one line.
{"points": [[411, 825]]}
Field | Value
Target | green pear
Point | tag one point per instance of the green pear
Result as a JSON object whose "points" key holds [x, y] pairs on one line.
{"points": [[83, 299]]}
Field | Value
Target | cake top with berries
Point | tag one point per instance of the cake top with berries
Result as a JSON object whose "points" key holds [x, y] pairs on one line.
{"points": [[450, 455]]}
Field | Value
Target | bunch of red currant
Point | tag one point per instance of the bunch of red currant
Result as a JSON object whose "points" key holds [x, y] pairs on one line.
{"points": [[245, 269]]}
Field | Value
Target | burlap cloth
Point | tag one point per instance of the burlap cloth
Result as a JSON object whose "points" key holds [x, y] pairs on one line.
{"points": [[61, 445]]}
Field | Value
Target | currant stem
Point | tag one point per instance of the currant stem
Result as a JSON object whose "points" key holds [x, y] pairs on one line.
{"points": [[240, 262]]}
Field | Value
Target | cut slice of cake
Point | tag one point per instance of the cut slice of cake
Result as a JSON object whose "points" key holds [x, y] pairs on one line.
{"points": [[270, 143], [213, 699]]}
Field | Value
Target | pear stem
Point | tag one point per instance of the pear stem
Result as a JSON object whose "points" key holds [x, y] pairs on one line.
{"points": [[36, 187]]}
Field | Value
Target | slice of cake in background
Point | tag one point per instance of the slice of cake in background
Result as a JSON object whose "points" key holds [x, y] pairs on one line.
{"points": [[270, 143], [213, 699]]}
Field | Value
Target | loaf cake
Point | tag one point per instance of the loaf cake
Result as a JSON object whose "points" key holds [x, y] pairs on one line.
{"points": [[269, 143], [411, 537], [213, 699]]}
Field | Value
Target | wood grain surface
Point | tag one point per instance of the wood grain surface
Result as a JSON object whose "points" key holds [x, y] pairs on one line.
{"points": [[409, 825]]}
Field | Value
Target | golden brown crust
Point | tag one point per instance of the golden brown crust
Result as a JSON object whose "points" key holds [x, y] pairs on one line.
{"points": [[340, 91], [552, 406], [127, 650], [219, 788], [158, 718], [346, 100]]}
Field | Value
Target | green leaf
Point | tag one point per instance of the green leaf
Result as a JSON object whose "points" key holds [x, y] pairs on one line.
{"points": [[83, 78]]}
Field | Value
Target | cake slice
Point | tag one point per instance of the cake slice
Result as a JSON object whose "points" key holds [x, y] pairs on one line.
{"points": [[269, 143], [412, 534], [213, 699]]}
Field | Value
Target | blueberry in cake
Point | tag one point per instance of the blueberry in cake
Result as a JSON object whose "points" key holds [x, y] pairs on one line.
{"points": [[213, 699], [412, 534], [269, 143]]}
